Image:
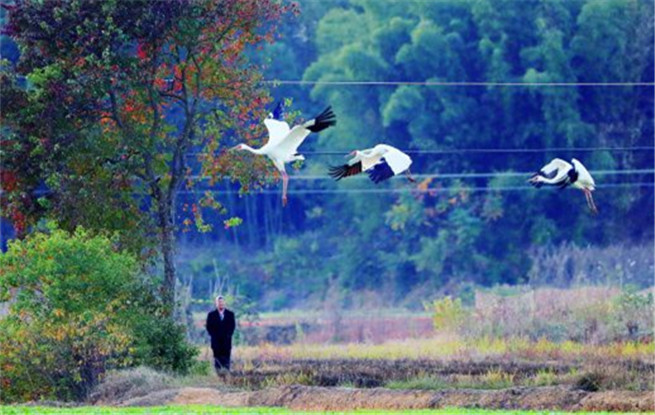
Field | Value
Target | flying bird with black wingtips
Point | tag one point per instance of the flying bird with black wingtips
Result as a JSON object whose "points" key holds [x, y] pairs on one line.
{"points": [[561, 173], [380, 163], [283, 142]]}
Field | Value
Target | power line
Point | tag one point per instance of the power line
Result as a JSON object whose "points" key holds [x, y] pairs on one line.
{"points": [[461, 175], [483, 150], [499, 150], [410, 189], [301, 2], [383, 190], [276, 82], [486, 175]]}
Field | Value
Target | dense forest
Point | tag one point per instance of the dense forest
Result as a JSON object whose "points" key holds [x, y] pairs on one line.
{"points": [[472, 220], [340, 241]]}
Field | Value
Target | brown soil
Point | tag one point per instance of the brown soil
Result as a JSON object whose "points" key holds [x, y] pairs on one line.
{"points": [[619, 401], [188, 396], [321, 398], [328, 385], [203, 396]]}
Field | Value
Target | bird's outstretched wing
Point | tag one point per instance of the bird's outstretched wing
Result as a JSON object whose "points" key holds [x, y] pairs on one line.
{"points": [[381, 171], [555, 173], [339, 172], [322, 121], [397, 160], [277, 130], [298, 133], [276, 126]]}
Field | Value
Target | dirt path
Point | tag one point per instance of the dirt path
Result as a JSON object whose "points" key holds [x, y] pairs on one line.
{"points": [[336, 398]]}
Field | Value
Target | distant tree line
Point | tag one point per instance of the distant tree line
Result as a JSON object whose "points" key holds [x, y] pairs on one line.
{"points": [[445, 240]]}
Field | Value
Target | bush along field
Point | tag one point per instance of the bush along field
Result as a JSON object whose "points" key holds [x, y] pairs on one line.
{"points": [[82, 308]]}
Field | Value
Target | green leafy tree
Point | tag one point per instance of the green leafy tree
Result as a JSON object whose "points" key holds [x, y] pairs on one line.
{"points": [[76, 308], [119, 93]]}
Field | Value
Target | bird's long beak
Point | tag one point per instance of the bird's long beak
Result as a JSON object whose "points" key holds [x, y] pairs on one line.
{"points": [[351, 154], [234, 148]]}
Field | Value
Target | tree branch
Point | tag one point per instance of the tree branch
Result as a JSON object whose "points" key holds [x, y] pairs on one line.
{"points": [[114, 110]]}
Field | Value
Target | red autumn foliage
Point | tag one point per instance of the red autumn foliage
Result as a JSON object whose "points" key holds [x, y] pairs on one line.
{"points": [[121, 68]]}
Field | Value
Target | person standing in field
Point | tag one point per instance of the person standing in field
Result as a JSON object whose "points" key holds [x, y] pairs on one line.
{"points": [[220, 326]]}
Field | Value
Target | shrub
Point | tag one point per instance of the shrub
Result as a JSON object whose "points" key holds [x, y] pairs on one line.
{"points": [[612, 377], [161, 344], [544, 377], [77, 307], [569, 265], [584, 314], [201, 368], [634, 314], [590, 381], [448, 314]]}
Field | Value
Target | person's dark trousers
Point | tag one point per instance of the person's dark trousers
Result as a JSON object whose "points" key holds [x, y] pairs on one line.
{"points": [[222, 357], [222, 362]]}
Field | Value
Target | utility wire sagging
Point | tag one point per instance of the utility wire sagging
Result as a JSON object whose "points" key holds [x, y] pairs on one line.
{"points": [[483, 150], [473, 84], [413, 189], [464, 175]]}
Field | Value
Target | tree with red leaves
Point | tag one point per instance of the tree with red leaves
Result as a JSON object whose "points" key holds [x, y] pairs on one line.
{"points": [[117, 94]]}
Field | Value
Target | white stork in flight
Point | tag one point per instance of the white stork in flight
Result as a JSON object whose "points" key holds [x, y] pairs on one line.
{"points": [[562, 174], [380, 162], [283, 142]]}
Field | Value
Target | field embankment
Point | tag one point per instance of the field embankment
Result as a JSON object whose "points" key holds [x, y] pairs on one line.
{"points": [[348, 384], [298, 397]]}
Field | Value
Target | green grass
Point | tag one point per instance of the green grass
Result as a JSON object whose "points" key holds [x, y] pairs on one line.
{"points": [[422, 382], [493, 379], [213, 410]]}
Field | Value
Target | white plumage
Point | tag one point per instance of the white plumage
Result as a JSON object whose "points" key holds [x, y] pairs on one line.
{"points": [[562, 174], [380, 162], [283, 142]]}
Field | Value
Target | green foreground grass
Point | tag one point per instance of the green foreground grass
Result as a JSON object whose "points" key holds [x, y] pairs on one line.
{"points": [[213, 410]]}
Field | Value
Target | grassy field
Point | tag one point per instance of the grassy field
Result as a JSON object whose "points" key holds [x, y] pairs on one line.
{"points": [[213, 410], [444, 362], [450, 347]]}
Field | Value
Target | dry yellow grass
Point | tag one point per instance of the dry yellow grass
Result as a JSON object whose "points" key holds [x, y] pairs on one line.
{"points": [[448, 347]]}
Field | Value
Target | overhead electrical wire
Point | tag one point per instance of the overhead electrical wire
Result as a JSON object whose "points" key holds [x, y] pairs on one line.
{"points": [[476, 84], [407, 189], [500, 150], [484, 150], [412, 189], [462, 175]]}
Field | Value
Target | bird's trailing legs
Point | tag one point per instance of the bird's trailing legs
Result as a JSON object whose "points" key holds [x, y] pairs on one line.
{"points": [[409, 176], [285, 183], [590, 201]]}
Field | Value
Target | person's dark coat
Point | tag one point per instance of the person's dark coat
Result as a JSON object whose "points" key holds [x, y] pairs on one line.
{"points": [[221, 331]]}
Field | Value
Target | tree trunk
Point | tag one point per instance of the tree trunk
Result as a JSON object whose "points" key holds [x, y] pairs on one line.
{"points": [[167, 241]]}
